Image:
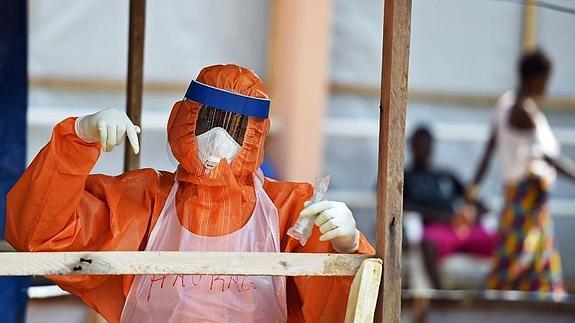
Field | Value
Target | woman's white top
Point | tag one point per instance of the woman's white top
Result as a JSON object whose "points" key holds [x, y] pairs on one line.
{"points": [[523, 151]]}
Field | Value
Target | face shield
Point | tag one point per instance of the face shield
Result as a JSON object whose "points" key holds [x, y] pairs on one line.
{"points": [[222, 121]]}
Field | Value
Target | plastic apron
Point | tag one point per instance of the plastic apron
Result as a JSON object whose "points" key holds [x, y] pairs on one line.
{"points": [[211, 298]]}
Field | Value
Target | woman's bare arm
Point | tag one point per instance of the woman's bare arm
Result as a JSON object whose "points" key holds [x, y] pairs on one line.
{"points": [[564, 166], [483, 166]]}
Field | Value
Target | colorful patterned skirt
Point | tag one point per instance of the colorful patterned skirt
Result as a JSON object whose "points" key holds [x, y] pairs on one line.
{"points": [[525, 258]]}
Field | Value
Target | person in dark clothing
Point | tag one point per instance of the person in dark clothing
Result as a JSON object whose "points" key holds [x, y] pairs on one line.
{"points": [[450, 224]]}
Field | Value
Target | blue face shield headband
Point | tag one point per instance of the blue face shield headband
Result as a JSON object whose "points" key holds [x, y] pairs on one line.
{"points": [[228, 101]]}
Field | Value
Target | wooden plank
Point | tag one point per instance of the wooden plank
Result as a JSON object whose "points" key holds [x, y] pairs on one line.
{"points": [[135, 74], [364, 290], [393, 105], [177, 262]]}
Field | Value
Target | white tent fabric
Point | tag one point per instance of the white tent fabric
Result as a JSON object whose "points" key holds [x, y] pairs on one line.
{"points": [[88, 39]]}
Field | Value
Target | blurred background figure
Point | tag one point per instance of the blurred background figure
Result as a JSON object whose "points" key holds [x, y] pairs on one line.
{"points": [[437, 195], [526, 258]]}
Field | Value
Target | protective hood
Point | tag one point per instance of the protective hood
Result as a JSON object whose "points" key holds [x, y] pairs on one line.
{"points": [[183, 121], [221, 201]]}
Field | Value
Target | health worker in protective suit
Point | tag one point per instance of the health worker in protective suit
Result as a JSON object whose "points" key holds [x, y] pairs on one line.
{"points": [[217, 200]]}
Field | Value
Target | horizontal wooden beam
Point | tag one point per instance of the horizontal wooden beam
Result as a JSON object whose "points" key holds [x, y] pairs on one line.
{"points": [[104, 85], [448, 98], [415, 95], [469, 295], [177, 262]]}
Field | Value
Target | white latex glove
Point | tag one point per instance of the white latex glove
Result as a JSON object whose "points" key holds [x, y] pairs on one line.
{"points": [[109, 127], [336, 223]]}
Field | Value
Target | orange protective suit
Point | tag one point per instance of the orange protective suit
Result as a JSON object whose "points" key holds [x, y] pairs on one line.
{"points": [[57, 206]]}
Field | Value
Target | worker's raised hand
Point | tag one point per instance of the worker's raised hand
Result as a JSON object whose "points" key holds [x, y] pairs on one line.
{"points": [[109, 127], [336, 223]]}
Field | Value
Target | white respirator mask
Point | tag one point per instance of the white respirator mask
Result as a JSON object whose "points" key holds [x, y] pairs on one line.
{"points": [[214, 145]]}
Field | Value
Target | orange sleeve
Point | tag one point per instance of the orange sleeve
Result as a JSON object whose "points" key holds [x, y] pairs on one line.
{"points": [[310, 299], [57, 206]]}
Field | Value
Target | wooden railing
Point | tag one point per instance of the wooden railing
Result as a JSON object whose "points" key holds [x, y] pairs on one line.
{"points": [[361, 301]]}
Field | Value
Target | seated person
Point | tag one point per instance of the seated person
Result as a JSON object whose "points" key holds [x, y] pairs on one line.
{"points": [[450, 225]]}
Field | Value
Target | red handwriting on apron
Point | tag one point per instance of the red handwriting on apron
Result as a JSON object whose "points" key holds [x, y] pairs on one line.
{"points": [[221, 283], [153, 280], [196, 279], [176, 279]]}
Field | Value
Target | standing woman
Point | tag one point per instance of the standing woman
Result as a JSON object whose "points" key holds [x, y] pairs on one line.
{"points": [[525, 258]]}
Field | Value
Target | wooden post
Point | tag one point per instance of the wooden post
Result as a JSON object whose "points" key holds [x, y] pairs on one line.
{"points": [[529, 28], [395, 63], [135, 74]]}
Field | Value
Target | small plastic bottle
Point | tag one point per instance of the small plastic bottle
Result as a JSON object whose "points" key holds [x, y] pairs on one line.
{"points": [[302, 228]]}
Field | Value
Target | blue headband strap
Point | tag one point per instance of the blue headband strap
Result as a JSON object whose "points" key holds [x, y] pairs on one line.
{"points": [[228, 101]]}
